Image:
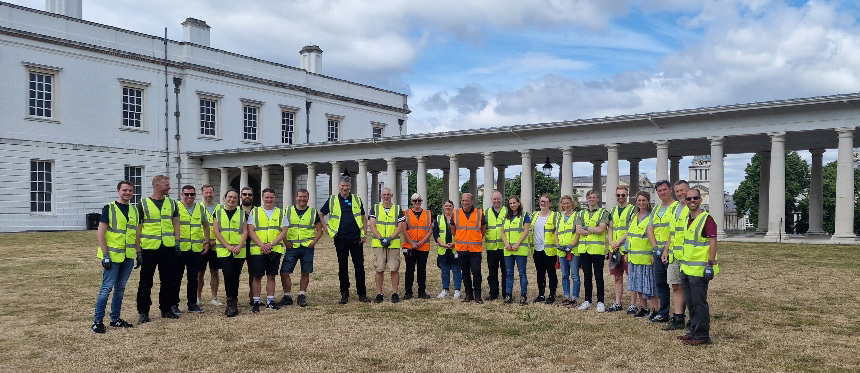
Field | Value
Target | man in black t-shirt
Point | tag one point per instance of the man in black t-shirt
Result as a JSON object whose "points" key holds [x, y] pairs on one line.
{"points": [[348, 239]]}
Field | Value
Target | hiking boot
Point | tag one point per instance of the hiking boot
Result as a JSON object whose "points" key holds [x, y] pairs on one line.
{"points": [[143, 318], [615, 307], [509, 299], [273, 305], [539, 299], [302, 300], [395, 298], [379, 298], [256, 307], [98, 328], [407, 296], [642, 313], [169, 315], [287, 300], [550, 299], [344, 298], [677, 323], [632, 309], [120, 323], [195, 309], [523, 300], [232, 308]]}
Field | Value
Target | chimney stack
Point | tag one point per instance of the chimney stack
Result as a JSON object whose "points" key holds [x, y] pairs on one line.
{"points": [[311, 59], [195, 31], [69, 8]]}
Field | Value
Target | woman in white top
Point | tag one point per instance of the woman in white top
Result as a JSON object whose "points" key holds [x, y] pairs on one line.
{"points": [[544, 227]]}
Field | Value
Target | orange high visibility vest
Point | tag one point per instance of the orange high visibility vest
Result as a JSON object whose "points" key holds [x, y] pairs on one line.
{"points": [[416, 229], [467, 232]]}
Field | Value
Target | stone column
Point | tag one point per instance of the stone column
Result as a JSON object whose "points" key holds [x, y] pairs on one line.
{"points": [[844, 224], [401, 190], [763, 191], [566, 172], [288, 185], [265, 178], [361, 185], [527, 181], [674, 169], [611, 174], [662, 160], [243, 178], [500, 181], [634, 177], [488, 179], [205, 177], [816, 194], [473, 183], [446, 179], [225, 184], [421, 181], [454, 180], [717, 185], [391, 175], [374, 187], [597, 178], [312, 184], [335, 177], [776, 195]]}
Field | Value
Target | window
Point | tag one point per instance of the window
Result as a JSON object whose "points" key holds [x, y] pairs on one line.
{"points": [[288, 120], [134, 174], [334, 128], [249, 113], [41, 186], [41, 94], [132, 107], [208, 115], [378, 129]]}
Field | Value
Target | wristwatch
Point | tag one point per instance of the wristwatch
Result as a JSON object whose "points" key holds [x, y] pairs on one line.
{"points": [[711, 262]]}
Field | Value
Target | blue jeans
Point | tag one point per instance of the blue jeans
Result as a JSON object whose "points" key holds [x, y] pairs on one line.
{"points": [[113, 279], [521, 268], [447, 268], [570, 269]]}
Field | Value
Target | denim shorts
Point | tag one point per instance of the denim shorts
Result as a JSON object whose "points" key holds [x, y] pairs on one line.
{"points": [[292, 257]]}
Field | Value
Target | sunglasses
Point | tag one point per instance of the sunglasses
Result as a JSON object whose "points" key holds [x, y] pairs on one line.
{"points": [[247, 194], [189, 194], [416, 200], [621, 195], [693, 198]]}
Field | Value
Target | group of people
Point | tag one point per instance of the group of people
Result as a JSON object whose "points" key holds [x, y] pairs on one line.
{"points": [[670, 246]]}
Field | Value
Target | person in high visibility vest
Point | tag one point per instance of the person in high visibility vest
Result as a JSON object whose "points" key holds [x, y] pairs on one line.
{"points": [[266, 229], [416, 246], [591, 227], [159, 216], [304, 229], [493, 244], [210, 258], [118, 249], [447, 258], [246, 201], [661, 219], [545, 244], [515, 237], [193, 233], [469, 227], [568, 257], [619, 220], [698, 268], [231, 233], [347, 225], [674, 255], [641, 257], [386, 223]]}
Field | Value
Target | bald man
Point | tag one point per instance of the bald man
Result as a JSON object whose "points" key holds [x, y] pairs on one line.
{"points": [[469, 227]]}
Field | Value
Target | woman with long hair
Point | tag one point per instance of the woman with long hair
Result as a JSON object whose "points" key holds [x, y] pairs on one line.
{"points": [[446, 258], [641, 279], [515, 233], [568, 257], [545, 244]]}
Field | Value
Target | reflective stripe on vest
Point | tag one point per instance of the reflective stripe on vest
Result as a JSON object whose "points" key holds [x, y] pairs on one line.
{"points": [[595, 243], [566, 231], [676, 250], [267, 230], [417, 228], [467, 235], [661, 224], [514, 228], [443, 234], [549, 228], [120, 234], [493, 236], [334, 214], [637, 238], [157, 224], [386, 224], [231, 230], [191, 229], [301, 231], [696, 247], [620, 220]]}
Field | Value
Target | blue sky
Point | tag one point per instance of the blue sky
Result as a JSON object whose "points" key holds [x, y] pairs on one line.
{"points": [[479, 63]]}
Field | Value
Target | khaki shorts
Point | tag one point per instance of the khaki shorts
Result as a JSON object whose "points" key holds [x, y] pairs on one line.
{"points": [[673, 273], [386, 259]]}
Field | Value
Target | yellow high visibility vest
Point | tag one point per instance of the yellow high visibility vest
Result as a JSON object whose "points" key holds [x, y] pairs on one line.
{"points": [[157, 224], [443, 234], [637, 237], [493, 237], [514, 229], [301, 230], [566, 232], [696, 248], [267, 230], [231, 230], [661, 224], [620, 223], [334, 214], [191, 228], [549, 228], [210, 218], [386, 224], [121, 234], [676, 250], [595, 243]]}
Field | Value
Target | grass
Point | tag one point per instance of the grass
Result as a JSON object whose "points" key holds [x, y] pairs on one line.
{"points": [[774, 308]]}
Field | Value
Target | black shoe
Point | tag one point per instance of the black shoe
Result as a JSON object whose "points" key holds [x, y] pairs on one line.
{"points": [[615, 307], [660, 318], [169, 315], [523, 300], [287, 300], [232, 308], [677, 323], [550, 299], [98, 328], [363, 299], [271, 304], [423, 296], [407, 296], [479, 300], [143, 318], [642, 313], [120, 323], [492, 297], [195, 308], [468, 298], [509, 299], [256, 307], [379, 298], [175, 309], [344, 298], [394, 298], [302, 300], [539, 299], [632, 310], [652, 315]]}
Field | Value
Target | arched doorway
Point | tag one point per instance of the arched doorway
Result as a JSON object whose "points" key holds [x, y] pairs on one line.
{"points": [[253, 183]]}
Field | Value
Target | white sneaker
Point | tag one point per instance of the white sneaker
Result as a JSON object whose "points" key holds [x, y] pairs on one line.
{"points": [[456, 294], [443, 294], [215, 302], [585, 305], [199, 303], [600, 307]]}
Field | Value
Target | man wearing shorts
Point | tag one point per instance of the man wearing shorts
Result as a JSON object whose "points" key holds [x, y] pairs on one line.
{"points": [[266, 230], [386, 223], [661, 218], [304, 229], [619, 221], [210, 257], [674, 255]]}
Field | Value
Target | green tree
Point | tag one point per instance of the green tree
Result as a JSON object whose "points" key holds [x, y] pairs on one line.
{"points": [[796, 191], [543, 185], [829, 184], [434, 191]]}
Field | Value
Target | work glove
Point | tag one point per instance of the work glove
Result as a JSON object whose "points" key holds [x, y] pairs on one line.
{"points": [[658, 251], [139, 260], [385, 242], [709, 273], [106, 263]]}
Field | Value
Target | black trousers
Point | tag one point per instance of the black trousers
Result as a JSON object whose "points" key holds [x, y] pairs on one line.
{"points": [[344, 250], [662, 286], [545, 267], [592, 265], [496, 268], [414, 259], [166, 261], [232, 269], [696, 296], [190, 261], [470, 266]]}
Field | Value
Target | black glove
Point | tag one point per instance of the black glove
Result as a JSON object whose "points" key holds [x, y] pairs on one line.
{"points": [[106, 263], [178, 249], [385, 242], [709, 273], [139, 260]]}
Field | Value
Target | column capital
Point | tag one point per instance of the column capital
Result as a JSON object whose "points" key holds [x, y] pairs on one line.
{"points": [[716, 140], [675, 158], [374, 172], [845, 132], [597, 163], [389, 160], [335, 163], [488, 155], [453, 157], [634, 160], [420, 159], [816, 152], [566, 150], [612, 147], [501, 167], [311, 165], [526, 152], [224, 169], [264, 167], [662, 143], [287, 165], [777, 136], [362, 162]]}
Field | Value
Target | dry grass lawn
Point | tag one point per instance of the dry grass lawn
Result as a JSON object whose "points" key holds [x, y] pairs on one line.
{"points": [[774, 308]]}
